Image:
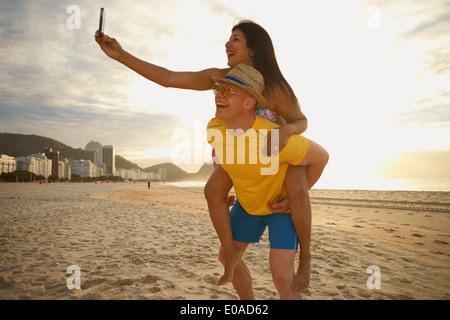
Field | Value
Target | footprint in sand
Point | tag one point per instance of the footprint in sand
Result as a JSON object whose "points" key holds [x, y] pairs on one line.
{"points": [[418, 235]]}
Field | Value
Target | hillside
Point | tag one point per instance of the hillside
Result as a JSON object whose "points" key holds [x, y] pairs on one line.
{"points": [[175, 173], [203, 174], [16, 145]]}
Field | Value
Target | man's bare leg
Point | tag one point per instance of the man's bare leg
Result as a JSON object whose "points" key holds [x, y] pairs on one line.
{"points": [[282, 268]]}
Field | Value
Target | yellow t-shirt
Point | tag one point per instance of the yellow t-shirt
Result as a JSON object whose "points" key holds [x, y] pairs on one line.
{"points": [[257, 179]]}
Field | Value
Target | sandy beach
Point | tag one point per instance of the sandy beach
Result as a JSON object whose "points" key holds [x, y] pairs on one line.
{"points": [[133, 243]]}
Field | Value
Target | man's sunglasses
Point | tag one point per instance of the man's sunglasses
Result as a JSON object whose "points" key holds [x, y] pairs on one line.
{"points": [[226, 91]]}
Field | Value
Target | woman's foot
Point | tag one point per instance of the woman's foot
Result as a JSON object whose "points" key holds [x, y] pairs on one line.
{"points": [[229, 262]]}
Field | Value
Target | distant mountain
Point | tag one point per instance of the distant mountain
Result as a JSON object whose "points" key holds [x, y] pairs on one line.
{"points": [[174, 173], [16, 145], [121, 162], [93, 146], [203, 174]]}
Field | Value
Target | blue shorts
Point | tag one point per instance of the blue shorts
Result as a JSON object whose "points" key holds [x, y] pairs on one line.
{"points": [[249, 228]]}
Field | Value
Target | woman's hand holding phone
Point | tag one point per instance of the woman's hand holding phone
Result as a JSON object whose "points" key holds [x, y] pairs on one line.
{"points": [[110, 46]]}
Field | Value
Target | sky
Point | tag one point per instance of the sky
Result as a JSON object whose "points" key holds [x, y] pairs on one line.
{"points": [[372, 77]]}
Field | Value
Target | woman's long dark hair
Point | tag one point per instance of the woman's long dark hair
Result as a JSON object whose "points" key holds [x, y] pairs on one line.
{"points": [[265, 61]]}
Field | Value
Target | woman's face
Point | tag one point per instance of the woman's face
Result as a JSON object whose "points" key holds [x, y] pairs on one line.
{"points": [[237, 50]]}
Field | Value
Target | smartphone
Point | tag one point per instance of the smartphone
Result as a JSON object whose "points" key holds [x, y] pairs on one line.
{"points": [[101, 25]]}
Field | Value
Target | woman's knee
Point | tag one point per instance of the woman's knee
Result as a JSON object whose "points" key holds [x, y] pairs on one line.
{"points": [[297, 182], [218, 186], [209, 190]]}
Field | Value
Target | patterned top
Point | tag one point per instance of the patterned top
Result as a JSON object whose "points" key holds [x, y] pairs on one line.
{"points": [[266, 113]]}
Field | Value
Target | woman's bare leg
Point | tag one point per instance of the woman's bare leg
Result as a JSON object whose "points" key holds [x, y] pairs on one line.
{"points": [[216, 193], [300, 207], [299, 180], [242, 280]]}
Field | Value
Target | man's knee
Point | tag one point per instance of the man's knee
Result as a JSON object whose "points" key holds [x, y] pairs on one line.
{"points": [[281, 279]]}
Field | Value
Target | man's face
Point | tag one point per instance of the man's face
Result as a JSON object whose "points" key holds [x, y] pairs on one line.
{"points": [[232, 107]]}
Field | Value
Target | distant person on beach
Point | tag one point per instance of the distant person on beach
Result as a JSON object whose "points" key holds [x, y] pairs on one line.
{"points": [[237, 135], [148, 183], [250, 44]]}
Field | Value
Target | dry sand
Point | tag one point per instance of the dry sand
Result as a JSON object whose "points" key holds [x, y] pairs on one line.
{"points": [[132, 243]]}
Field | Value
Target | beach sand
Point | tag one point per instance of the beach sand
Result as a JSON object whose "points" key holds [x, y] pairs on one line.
{"points": [[133, 243]]}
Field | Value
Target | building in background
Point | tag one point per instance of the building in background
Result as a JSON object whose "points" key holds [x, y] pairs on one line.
{"points": [[98, 170], [7, 163], [61, 169], [44, 165], [109, 160], [64, 169], [132, 174], [54, 156], [67, 171], [83, 168], [36, 163], [98, 157]]}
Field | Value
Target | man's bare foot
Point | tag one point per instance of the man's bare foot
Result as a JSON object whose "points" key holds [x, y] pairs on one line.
{"points": [[229, 265], [302, 277]]}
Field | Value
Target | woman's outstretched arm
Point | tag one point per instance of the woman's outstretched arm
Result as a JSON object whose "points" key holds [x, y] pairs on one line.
{"points": [[199, 80]]}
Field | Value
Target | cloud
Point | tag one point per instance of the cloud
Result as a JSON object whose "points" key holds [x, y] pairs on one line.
{"points": [[433, 116], [420, 22], [434, 23], [434, 27], [75, 127], [57, 82], [223, 9], [440, 62]]}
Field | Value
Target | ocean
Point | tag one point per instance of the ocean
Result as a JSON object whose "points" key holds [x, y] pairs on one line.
{"points": [[406, 184]]}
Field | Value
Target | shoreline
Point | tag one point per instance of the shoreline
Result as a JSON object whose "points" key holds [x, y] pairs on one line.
{"points": [[159, 244]]}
